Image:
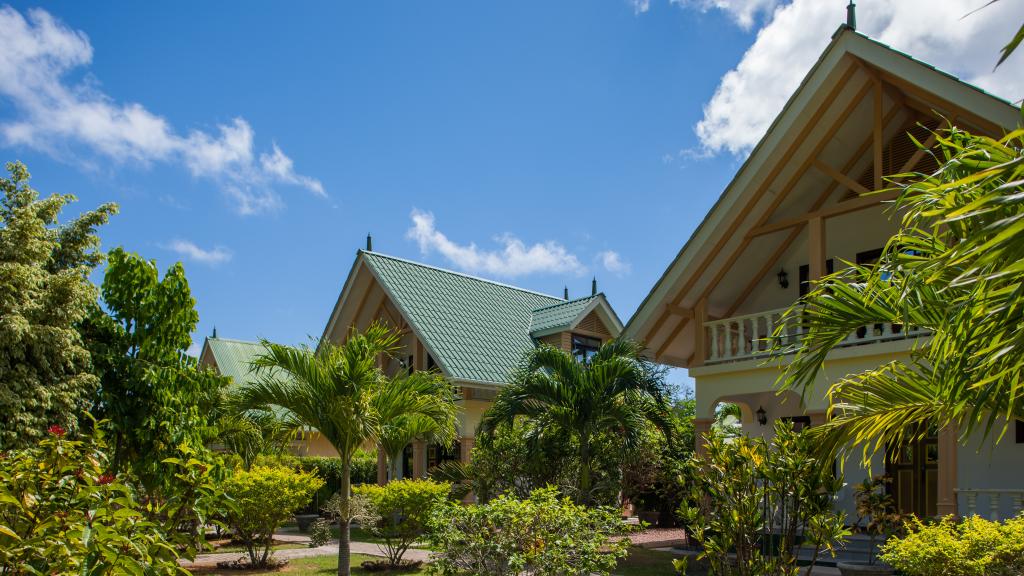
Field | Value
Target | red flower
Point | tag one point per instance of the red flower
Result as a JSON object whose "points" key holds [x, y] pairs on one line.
{"points": [[105, 478], [57, 430]]}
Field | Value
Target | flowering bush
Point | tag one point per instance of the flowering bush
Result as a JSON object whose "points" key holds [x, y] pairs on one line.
{"points": [[541, 535], [62, 512], [264, 497], [973, 547], [400, 511]]}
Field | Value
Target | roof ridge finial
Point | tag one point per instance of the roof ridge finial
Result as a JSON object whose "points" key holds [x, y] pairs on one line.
{"points": [[369, 242], [565, 293], [593, 286], [214, 332], [851, 15]]}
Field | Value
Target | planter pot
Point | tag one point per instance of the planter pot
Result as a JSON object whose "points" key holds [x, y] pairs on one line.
{"points": [[864, 569], [305, 521]]}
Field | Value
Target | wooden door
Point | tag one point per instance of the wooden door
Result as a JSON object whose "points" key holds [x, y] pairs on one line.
{"points": [[915, 477]]}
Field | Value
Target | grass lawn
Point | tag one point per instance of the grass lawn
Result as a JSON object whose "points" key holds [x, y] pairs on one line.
{"points": [[640, 562]]}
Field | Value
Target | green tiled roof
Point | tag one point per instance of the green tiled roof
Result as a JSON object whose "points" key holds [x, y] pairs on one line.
{"points": [[558, 317], [233, 357], [477, 330]]}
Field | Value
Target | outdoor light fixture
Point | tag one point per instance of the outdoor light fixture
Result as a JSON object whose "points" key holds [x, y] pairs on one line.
{"points": [[762, 416], [783, 278]]}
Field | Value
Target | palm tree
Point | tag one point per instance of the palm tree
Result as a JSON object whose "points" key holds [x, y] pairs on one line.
{"points": [[433, 422], [955, 269], [616, 389], [337, 390]]}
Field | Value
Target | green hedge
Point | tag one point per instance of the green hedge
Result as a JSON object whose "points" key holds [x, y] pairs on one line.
{"points": [[364, 471]]}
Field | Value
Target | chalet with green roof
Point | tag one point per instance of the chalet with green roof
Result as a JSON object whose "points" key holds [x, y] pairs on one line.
{"points": [[473, 330]]}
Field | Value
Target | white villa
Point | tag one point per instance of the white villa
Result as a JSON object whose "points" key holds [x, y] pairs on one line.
{"points": [[795, 211]]}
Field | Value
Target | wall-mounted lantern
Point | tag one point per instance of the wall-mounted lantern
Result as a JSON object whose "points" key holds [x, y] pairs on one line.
{"points": [[762, 416], [783, 278]]}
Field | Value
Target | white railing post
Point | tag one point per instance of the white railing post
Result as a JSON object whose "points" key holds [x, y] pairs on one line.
{"points": [[994, 498], [972, 503]]}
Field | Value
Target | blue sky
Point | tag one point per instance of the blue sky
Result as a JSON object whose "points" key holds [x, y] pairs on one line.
{"points": [[537, 143]]}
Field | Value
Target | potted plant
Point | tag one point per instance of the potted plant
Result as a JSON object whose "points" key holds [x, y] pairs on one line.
{"points": [[877, 517]]}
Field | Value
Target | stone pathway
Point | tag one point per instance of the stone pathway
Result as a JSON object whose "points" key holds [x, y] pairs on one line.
{"points": [[329, 549]]}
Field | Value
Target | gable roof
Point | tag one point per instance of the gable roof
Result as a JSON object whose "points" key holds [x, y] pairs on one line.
{"points": [[567, 315], [231, 357], [985, 109], [476, 330]]}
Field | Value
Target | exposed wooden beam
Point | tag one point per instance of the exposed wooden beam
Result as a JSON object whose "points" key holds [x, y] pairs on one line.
{"points": [[811, 123], [832, 211], [913, 160], [940, 104], [816, 247], [879, 145], [679, 311], [770, 263], [700, 315], [841, 178], [672, 336]]}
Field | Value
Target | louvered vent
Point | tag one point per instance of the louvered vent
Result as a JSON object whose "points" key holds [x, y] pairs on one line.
{"points": [[897, 152]]}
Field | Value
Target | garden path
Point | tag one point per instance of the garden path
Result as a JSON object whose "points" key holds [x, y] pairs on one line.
{"points": [[331, 548]]}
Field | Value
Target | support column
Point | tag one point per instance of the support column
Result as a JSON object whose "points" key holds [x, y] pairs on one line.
{"points": [[818, 418], [946, 498], [465, 450], [701, 426], [700, 316], [816, 244], [419, 459], [382, 468]]}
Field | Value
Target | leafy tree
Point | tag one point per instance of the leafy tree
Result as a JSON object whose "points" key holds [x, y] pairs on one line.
{"points": [[253, 433], [434, 423], [338, 390], [751, 497], [152, 395], [616, 390], [954, 268], [45, 371], [264, 497], [400, 512]]}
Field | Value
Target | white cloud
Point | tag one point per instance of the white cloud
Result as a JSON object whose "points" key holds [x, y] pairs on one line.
{"points": [[515, 258], [613, 262], [640, 6], [190, 251], [744, 12], [749, 96], [38, 53]]}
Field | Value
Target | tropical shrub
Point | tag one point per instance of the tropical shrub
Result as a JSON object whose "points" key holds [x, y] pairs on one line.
{"points": [[651, 481], [264, 498], [750, 497], [63, 512], [607, 398], [973, 547], [542, 535], [320, 532], [401, 510]]}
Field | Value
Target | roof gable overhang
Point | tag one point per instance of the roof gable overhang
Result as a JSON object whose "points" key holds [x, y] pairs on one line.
{"points": [[851, 76], [597, 304]]}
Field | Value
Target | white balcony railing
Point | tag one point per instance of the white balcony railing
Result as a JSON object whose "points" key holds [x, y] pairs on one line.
{"points": [[995, 503], [751, 335]]}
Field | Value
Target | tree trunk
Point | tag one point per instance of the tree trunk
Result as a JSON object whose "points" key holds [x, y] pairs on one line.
{"points": [[585, 468], [345, 519]]}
